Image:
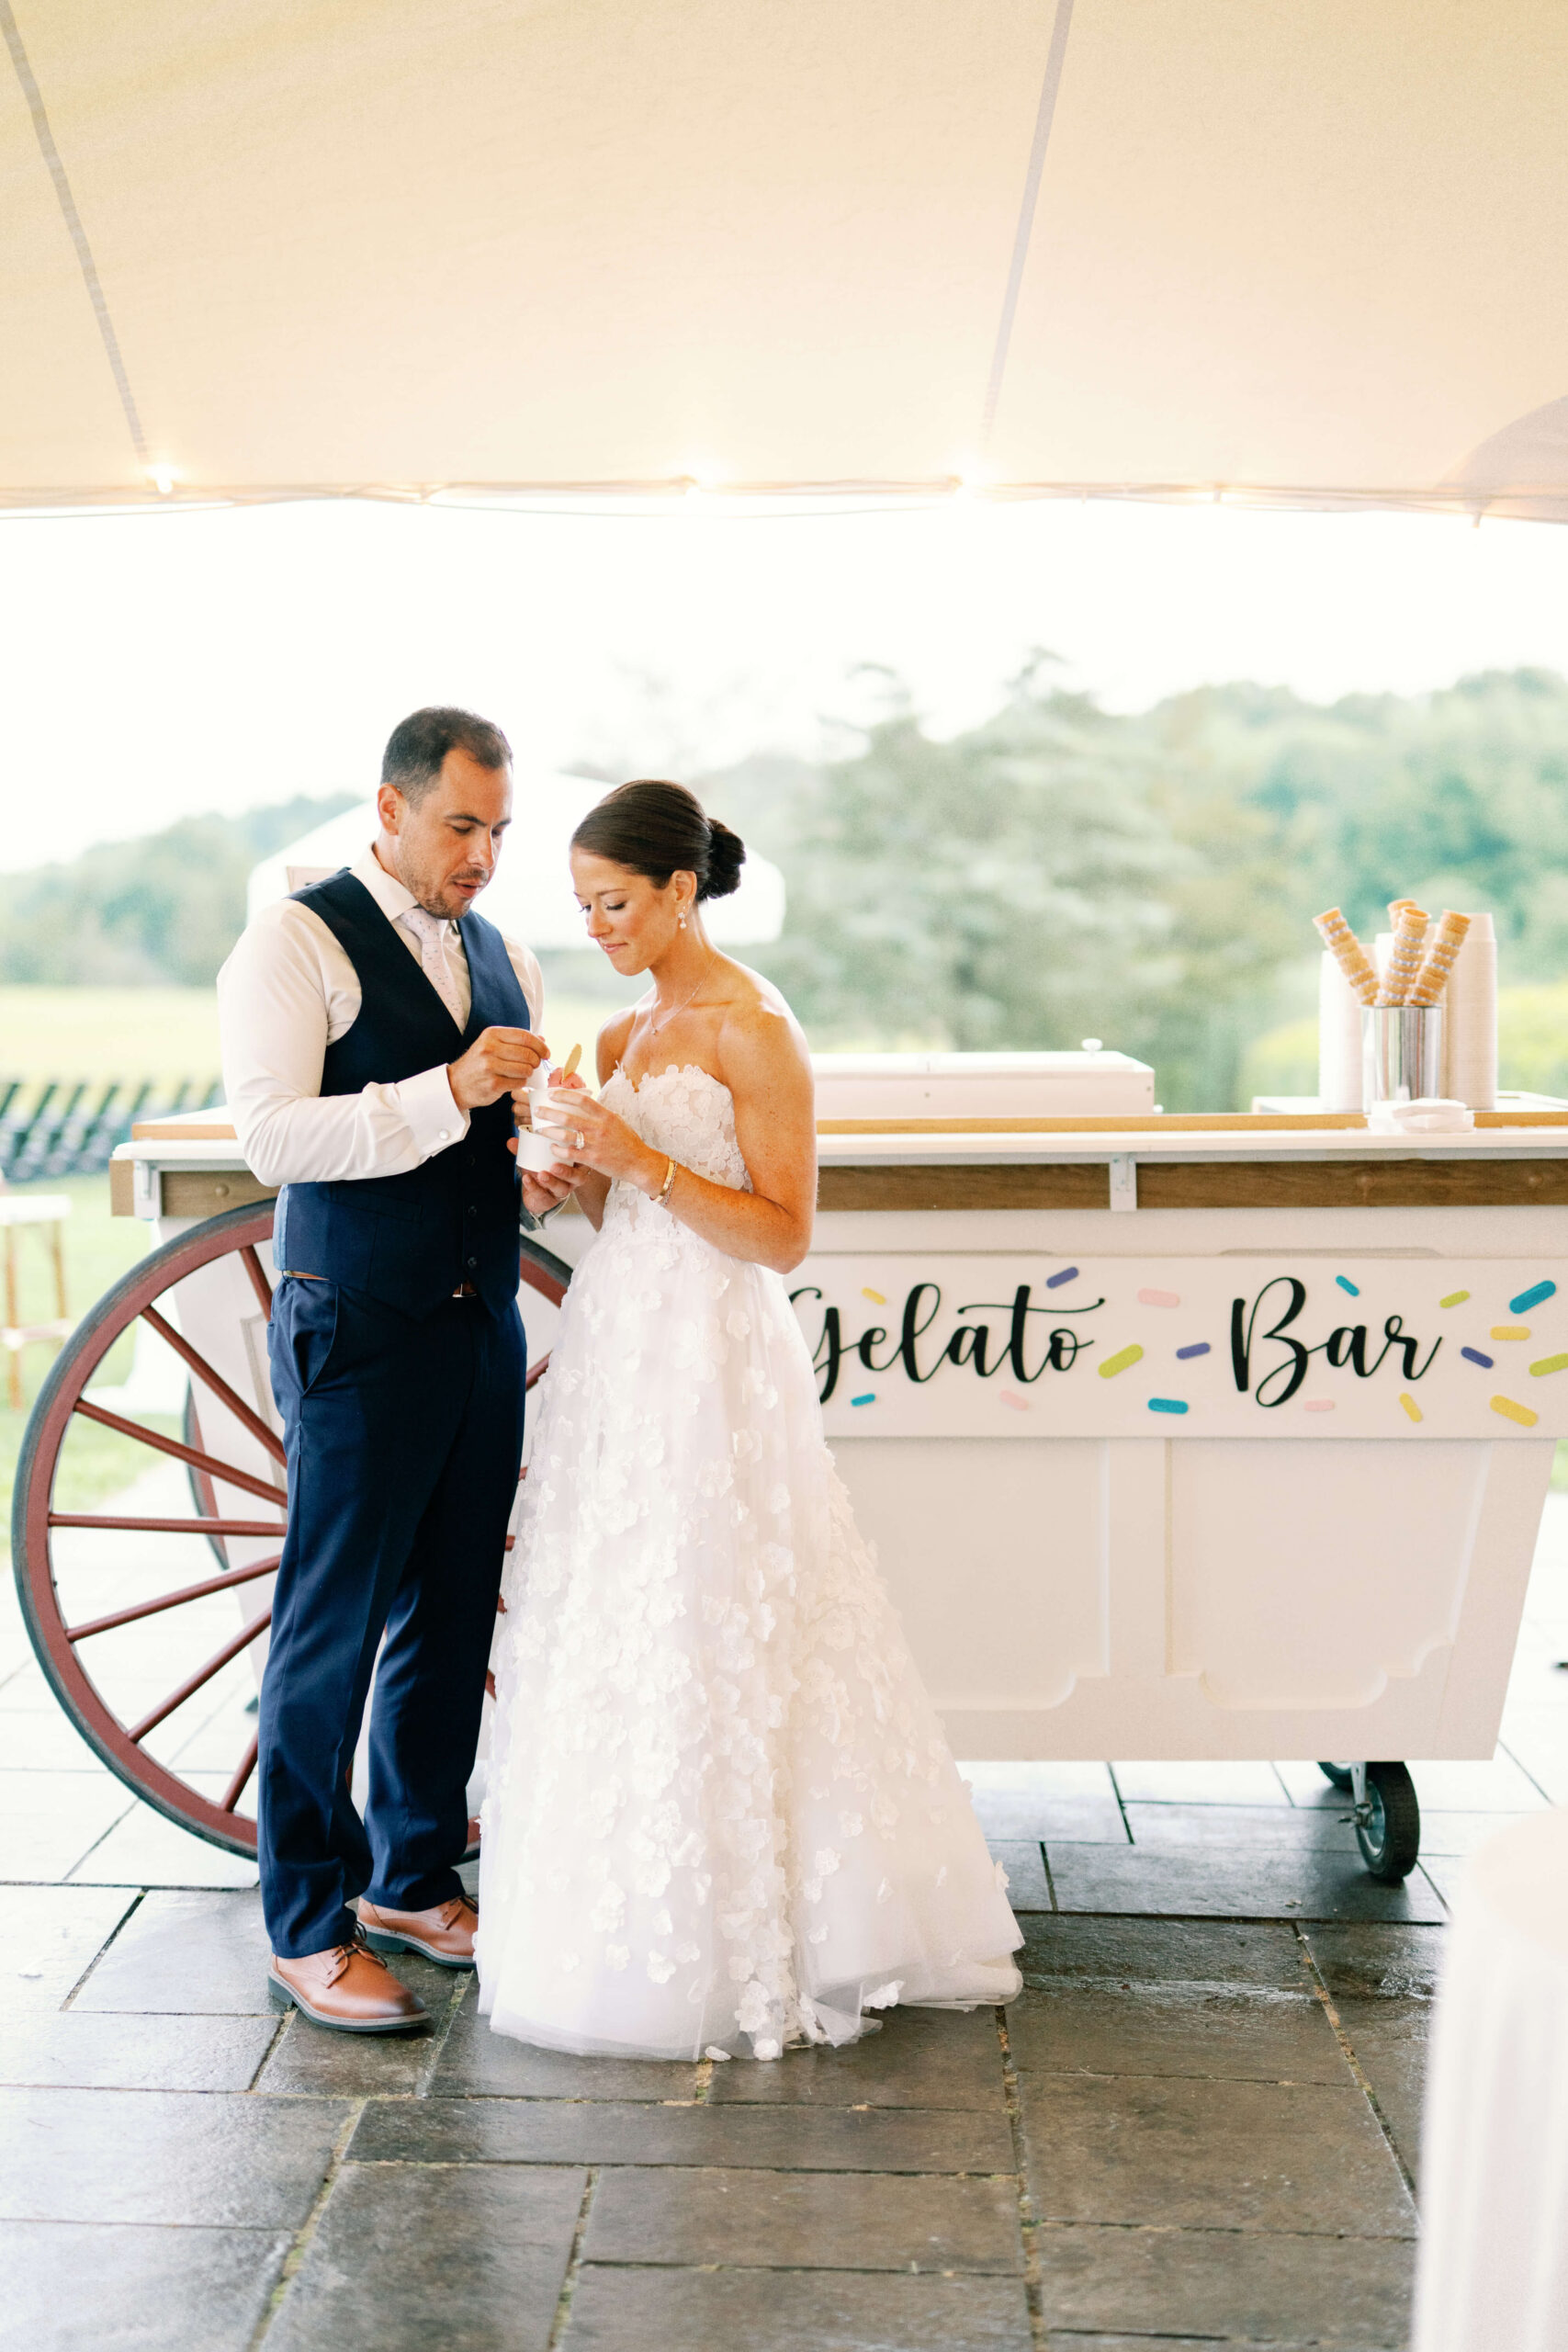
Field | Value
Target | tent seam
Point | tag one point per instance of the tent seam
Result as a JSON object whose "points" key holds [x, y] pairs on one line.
{"points": [[73, 219], [1049, 86]]}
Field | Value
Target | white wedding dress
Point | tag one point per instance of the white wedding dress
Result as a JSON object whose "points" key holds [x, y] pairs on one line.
{"points": [[722, 1816]]}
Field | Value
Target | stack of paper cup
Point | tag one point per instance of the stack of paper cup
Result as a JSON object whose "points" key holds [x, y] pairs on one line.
{"points": [[1338, 1040], [1470, 1028], [536, 1148]]}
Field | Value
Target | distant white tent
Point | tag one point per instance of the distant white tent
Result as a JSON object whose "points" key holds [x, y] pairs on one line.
{"points": [[1308, 251], [531, 897]]}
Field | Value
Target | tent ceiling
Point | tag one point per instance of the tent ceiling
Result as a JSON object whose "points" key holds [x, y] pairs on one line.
{"points": [[1302, 250]]}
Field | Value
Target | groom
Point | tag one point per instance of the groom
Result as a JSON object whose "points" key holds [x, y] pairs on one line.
{"points": [[374, 1029]]}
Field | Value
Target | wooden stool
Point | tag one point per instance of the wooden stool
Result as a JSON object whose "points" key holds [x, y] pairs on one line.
{"points": [[49, 1209]]}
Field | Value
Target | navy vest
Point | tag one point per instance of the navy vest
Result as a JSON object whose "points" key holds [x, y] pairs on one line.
{"points": [[411, 1239]]}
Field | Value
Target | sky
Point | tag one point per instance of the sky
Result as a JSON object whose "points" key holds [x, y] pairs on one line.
{"points": [[160, 664]]}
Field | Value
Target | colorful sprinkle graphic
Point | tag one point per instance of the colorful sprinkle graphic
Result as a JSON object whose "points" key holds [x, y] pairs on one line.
{"points": [[1018, 1404], [1411, 1406], [1068, 1274], [1118, 1363], [1158, 1298], [1510, 1330], [1512, 1412], [1454, 1298], [875, 1296], [1168, 1405], [869, 1398], [1318, 1405], [1473, 1355], [1198, 1348], [1345, 1283], [1528, 1298], [1550, 1363]]}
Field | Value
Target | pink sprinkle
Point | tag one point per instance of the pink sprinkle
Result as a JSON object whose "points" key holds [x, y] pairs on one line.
{"points": [[1158, 1298], [1018, 1404], [1318, 1405]]}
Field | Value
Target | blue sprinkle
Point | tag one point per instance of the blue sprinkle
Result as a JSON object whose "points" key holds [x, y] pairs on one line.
{"points": [[1068, 1274], [1166, 1404], [1528, 1298], [1473, 1355], [869, 1398], [1344, 1285], [1198, 1348]]}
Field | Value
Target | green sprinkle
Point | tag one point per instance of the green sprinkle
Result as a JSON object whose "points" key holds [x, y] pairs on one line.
{"points": [[1113, 1364], [1550, 1363], [1454, 1298]]}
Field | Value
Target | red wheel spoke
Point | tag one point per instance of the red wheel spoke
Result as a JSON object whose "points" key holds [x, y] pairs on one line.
{"points": [[259, 1282], [266, 1438], [174, 1599], [536, 1371], [170, 1526], [226, 1471], [144, 1294], [247, 1765], [194, 1682]]}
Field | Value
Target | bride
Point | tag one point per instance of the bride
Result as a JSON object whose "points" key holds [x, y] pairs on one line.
{"points": [[722, 1816]]}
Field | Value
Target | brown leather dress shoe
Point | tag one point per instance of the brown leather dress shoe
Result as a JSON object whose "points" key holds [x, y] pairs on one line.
{"points": [[346, 1989], [444, 1935]]}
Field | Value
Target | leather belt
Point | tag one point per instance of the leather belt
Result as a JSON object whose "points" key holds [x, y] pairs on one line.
{"points": [[464, 1290]]}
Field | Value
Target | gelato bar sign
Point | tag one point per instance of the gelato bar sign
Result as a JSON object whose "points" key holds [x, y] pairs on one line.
{"points": [[1200, 1347]]}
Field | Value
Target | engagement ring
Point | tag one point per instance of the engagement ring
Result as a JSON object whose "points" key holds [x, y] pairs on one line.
{"points": [[578, 1139]]}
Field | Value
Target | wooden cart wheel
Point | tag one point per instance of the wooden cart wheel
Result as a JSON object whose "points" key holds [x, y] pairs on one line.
{"points": [[133, 1612]]}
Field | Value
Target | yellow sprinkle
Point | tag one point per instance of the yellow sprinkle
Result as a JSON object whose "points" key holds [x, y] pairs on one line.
{"points": [[1512, 1412], [1454, 1298], [875, 1296], [1550, 1363], [1510, 1330], [1412, 1407], [1113, 1364]]}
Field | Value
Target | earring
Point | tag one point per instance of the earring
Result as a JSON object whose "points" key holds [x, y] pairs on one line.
{"points": [[682, 922]]}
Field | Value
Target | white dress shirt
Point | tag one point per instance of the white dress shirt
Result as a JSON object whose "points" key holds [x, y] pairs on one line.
{"points": [[288, 991]]}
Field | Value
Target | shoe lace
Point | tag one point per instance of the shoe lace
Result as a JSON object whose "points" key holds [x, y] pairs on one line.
{"points": [[451, 1913], [355, 1949]]}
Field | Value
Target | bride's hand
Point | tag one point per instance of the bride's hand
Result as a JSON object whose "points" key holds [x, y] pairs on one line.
{"points": [[588, 1136]]}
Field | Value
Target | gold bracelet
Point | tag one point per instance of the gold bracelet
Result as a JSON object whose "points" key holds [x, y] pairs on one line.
{"points": [[661, 1198]]}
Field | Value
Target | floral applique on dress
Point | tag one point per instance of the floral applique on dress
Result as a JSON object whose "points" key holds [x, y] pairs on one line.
{"points": [[722, 1816]]}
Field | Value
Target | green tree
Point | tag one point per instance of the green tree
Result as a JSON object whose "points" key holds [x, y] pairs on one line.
{"points": [[1001, 889], [168, 907]]}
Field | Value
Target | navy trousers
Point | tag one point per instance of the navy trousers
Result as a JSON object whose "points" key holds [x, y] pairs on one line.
{"points": [[404, 1441]]}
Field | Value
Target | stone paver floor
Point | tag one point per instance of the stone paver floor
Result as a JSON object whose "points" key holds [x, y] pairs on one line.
{"points": [[1198, 2126]]}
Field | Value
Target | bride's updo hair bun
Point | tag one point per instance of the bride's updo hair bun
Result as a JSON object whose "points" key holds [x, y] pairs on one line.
{"points": [[660, 829], [727, 855]]}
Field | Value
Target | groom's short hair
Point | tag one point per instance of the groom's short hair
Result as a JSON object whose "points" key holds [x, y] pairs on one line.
{"points": [[418, 744]]}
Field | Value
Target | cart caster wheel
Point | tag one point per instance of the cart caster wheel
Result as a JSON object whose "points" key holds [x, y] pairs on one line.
{"points": [[1390, 1839], [1339, 1773]]}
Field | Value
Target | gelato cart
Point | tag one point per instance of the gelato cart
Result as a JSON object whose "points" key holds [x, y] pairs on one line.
{"points": [[1178, 1436]]}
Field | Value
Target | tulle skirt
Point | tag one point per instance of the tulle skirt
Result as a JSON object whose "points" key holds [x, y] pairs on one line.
{"points": [[722, 1816]]}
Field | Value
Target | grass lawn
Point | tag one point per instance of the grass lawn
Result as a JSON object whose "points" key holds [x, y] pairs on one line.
{"points": [[98, 1248], [169, 1033], [103, 1033]]}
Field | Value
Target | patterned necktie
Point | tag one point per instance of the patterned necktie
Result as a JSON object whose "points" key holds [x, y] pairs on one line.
{"points": [[431, 933]]}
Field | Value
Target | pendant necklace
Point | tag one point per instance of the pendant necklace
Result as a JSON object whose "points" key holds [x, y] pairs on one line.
{"points": [[655, 1026]]}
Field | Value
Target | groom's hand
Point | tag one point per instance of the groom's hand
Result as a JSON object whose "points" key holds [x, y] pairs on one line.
{"points": [[545, 1189], [498, 1060]]}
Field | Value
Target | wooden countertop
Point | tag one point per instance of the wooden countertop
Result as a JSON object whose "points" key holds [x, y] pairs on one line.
{"points": [[1219, 1160]]}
